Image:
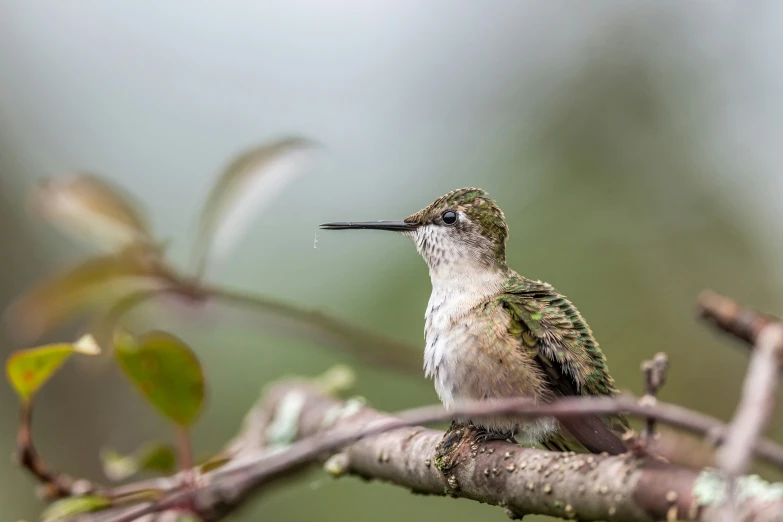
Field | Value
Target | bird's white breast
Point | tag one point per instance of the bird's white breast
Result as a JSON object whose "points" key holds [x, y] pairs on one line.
{"points": [[451, 354], [443, 342], [461, 339], [447, 331]]}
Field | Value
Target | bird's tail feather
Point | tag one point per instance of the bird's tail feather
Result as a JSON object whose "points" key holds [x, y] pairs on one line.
{"points": [[588, 434]]}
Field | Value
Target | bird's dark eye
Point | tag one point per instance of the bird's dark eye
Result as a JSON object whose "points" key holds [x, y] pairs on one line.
{"points": [[449, 217]]}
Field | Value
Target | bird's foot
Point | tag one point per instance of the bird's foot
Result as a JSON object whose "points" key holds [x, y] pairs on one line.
{"points": [[484, 435]]}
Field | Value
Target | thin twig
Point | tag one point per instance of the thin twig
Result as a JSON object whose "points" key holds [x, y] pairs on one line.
{"points": [[365, 346], [756, 403], [741, 322], [185, 455], [368, 347], [654, 378], [759, 392], [53, 485]]}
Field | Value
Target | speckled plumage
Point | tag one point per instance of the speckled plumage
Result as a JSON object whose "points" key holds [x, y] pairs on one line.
{"points": [[492, 333]]}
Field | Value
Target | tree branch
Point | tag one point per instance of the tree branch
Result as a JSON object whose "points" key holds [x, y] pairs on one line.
{"points": [[522, 480], [756, 404], [727, 315], [297, 422], [52, 484], [758, 399], [654, 378]]}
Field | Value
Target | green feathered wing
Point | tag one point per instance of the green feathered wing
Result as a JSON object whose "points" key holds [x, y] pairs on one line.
{"points": [[560, 341]]}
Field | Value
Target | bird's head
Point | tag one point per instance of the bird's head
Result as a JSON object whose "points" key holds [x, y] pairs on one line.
{"points": [[462, 229]]}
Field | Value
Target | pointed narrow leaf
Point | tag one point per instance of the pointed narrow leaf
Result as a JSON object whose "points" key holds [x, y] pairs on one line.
{"points": [[165, 370], [214, 463], [150, 457], [217, 460], [289, 319], [245, 186], [80, 288], [91, 209], [29, 369], [70, 507]]}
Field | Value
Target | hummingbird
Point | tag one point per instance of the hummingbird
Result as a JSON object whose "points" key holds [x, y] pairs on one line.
{"points": [[491, 333]]}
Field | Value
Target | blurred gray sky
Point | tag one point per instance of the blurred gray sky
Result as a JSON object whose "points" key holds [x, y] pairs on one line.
{"points": [[407, 96]]}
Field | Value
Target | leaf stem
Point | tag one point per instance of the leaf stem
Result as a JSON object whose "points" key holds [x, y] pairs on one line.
{"points": [[185, 455], [370, 348], [366, 346], [54, 484]]}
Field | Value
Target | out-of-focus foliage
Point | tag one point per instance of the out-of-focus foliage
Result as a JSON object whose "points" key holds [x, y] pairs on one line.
{"points": [[165, 370], [69, 507], [91, 208], [31, 368], [86, 287], [213, 463], [108, 287], [161, 366], [159, 458], [243, 189]]}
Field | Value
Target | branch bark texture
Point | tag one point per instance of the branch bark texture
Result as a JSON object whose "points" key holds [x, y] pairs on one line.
{"points": [[298, 417], [525, 480]]}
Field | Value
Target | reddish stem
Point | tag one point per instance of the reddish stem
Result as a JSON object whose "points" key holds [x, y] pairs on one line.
{"points": [[185, 456]]}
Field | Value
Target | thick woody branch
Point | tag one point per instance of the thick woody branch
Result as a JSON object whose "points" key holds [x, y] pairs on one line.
{"points": [[525, 480], [522, 480]]}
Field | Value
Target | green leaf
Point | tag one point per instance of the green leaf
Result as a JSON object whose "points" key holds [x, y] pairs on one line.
{"points": [[150, 457], [165, 370], [29, 369], [213, 463], [70, 507], [83, 287], [246, 185], [157, 457], [91, 209]]}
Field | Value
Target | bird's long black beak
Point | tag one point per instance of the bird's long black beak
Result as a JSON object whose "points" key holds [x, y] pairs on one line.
{"points": [[395, 226]]}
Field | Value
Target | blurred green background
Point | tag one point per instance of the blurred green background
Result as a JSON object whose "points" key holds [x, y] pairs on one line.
{"points": [[634, 147]]}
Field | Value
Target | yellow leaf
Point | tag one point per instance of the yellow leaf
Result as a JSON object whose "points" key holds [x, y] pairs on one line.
{"points": [[29, 369]]}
